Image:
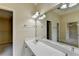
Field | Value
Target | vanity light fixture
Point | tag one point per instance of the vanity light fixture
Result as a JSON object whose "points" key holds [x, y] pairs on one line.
{"points": [[66, 5], [63, 6], [72, 4], [37, 15]]}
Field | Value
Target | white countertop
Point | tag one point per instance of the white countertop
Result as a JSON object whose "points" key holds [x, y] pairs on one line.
{"points": [[41, 49], [62, 47]]}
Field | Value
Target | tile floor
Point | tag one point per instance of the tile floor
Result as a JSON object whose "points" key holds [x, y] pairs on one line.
{"points": [[6, 50]]}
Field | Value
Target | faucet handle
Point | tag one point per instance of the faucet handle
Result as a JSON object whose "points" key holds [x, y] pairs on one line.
{"points": [[72, 49], [36, 40]]}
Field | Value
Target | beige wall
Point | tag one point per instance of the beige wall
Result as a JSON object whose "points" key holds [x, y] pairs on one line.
{"points": [[64, 19], [21, 14], [62, 29]]}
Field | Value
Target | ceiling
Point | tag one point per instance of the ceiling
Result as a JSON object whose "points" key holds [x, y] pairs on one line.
{"points": [[45, 7]]}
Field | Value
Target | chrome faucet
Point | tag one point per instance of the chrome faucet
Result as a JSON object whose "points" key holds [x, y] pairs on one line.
{"points": [[36, 40], [72, 49]]}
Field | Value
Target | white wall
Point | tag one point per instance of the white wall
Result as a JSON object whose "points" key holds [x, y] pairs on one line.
{"points": [[21, 14]]}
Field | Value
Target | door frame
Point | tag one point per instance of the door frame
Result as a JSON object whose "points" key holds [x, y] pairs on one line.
{"points": [[14, 24]]}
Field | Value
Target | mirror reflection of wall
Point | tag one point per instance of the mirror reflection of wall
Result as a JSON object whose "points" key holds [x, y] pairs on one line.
{"points": [[73, 33], [57, 25]]}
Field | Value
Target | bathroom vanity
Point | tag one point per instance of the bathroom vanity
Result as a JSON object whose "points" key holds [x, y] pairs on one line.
{"points": [[41, 49], [48, 48]]}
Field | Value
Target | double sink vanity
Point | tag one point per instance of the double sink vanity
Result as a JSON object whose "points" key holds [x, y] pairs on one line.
{"points": [[48, 48]]}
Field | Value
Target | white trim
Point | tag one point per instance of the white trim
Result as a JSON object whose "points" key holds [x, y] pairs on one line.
{"points": [[78, 34]]}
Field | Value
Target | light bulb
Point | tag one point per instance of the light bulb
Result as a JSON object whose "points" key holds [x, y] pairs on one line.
{"points": [[42, 17], [72, 4], [35, 15], [63, 6]]}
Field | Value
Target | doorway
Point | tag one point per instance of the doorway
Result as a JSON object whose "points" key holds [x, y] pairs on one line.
{"points": [[73, 33], [49, 30], [6, 31], [57, 32]]}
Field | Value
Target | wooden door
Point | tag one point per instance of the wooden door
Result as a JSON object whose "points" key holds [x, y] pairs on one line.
{"points": [[5, 27]]}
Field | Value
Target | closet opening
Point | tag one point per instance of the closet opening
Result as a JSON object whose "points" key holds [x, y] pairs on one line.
{"points": [[6, 32]]}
